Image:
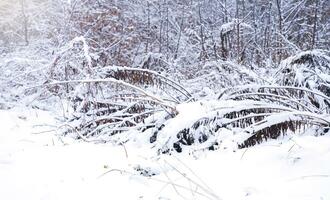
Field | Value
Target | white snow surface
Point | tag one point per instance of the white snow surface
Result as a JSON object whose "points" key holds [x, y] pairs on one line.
{"points": [[38, 164]]}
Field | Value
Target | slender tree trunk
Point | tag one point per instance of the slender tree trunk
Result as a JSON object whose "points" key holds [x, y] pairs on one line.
{"points": [[256, 53], [179, 37], [242, 47], [238, 38], [226, 11], [160, 28], [25, 23], [223, 46], [203, 52], [267, 31], [167, 30], [214, 45], [148, 27], [212, 36], [280, 21], [315, 24]]}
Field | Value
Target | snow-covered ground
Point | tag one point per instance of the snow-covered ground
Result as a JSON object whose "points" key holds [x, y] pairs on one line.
{"points": [[38, 164]]}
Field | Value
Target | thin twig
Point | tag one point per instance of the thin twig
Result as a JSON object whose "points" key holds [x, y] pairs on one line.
{"points": [[310, 176]]}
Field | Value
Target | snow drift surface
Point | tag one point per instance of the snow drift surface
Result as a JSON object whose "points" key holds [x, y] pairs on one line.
{"points": [[36, 164]]}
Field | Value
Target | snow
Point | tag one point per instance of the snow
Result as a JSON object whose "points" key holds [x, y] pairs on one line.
{"points": [[36, 163], [229, 26]]}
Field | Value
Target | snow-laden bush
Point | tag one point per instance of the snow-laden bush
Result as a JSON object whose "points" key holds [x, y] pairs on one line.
{"points": [[143, 105], [121, 104], [310, 69], [18, 71], [299, 98], [217, 75], [119, 99], [249, 114], [228, 124]]}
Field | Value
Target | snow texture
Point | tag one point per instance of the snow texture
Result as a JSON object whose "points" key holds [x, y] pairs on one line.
{"points": [[37, 164]]}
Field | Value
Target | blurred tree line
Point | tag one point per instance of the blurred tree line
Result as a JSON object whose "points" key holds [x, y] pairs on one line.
{"points": [[169, 35]]}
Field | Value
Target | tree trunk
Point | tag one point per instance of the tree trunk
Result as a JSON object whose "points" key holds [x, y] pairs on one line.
{"points": [[315, 24], [25, 23], [280, 21]]}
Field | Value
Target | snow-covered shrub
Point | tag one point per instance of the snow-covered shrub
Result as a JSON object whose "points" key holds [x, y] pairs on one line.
{"points": [[233, 124], [73, 61], [247, 115], [120, 99], [216, 75], [308, 69], [299, 98], [159, 84], [156, 62], [20, 71]]}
